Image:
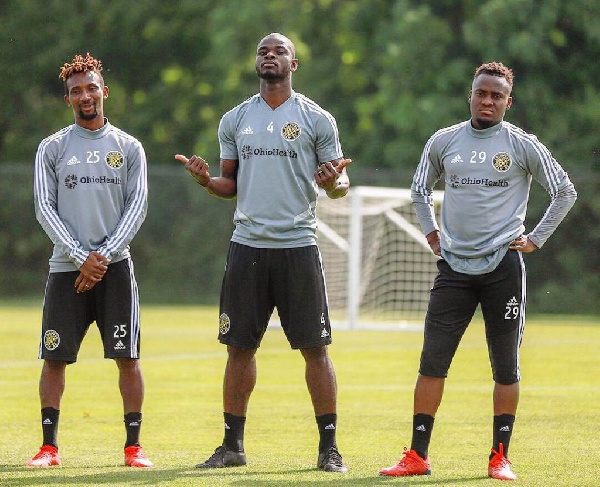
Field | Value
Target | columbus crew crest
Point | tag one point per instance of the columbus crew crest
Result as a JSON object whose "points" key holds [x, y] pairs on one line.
{"points": [[114, 159], [290, 131], [51, 340], [71, 181], [501, 162], [224, 324]]}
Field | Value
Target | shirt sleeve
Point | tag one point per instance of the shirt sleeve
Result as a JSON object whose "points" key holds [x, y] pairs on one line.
{"points": [[327, 143], [136, 204], [227, 143], [45, 190], [427, 174], [549, 173]]}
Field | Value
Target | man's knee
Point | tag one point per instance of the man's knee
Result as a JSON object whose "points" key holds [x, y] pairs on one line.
{"points": [[237, 354], [127, 364], [315, 354]]}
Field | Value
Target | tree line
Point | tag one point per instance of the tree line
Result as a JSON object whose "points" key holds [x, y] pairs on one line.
{"points": [[391, 71]]}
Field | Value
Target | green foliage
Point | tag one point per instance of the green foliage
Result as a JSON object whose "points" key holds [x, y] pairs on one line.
{"points": [[391, 71]]}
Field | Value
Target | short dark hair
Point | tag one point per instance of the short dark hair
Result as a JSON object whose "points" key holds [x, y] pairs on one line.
{"points": [[285, 39], [496, 69]]}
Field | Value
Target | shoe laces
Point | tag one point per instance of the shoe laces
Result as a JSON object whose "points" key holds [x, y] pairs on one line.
{"points": [[410, 458], [46, 451], [220, 450], [333, 457], [500, 454], [138, 453]]}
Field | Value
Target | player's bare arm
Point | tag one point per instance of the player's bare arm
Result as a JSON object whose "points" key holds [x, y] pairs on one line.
{"points": [[223, 186], [333, 178], [91, 272], [523, 244]]}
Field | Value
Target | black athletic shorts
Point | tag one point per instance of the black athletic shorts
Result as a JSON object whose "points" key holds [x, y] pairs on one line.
{"points": [[113, 304], [454, 298], [257, 280]]}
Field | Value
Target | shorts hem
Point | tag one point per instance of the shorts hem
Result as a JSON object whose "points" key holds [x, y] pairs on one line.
{"points": [[302, 346], [435, 376], [69, 360], [243, 346]]}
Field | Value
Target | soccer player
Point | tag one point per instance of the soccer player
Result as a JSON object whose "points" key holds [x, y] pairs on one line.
{"points": [[487, 165], [277, 148], [90, 195]]}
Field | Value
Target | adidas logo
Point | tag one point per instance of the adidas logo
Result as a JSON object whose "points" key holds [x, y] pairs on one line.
{"points": [[119, 345], [248, 131], [47, 421], [324, 333], [73, 161], [134, 423], [421, 427], [513, 302], [456, 159], [505, 428], [330, 426]]}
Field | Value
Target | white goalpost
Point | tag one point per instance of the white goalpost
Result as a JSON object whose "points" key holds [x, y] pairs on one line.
{"points": [[378, 265]]}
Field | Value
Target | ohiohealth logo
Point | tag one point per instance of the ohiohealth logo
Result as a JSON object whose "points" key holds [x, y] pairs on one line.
{"points": [[456, 181], [249, 151]]}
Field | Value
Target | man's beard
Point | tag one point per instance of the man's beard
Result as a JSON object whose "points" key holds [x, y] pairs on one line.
{"points": [[269, 75], [486, 124], [91, 116]]}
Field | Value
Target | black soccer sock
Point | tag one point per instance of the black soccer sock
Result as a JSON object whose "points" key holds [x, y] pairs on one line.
{"points": [[50, 426], [327, 424], [234, 432], [133, 424], [421, 434], [503, 428]]}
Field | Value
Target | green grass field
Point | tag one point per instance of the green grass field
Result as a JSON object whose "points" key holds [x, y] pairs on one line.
{"points": [[555, 442]]}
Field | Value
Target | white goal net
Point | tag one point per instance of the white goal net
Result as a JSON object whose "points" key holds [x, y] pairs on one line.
{"points": [[378, 266]]}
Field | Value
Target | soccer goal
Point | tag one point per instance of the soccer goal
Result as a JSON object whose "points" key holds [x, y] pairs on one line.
{"points": [[378, 266]]}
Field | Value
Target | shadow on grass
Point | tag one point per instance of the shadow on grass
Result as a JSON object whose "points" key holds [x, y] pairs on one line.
{"points": [[18, 476], [11, 475], [343, 479], [257, 479]]}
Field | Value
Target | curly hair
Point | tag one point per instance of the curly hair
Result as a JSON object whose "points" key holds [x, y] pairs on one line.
{"points": [[496, 69], [80, 64]]}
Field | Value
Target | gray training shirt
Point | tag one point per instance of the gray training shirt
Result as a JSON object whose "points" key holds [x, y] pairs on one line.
{"points": [[487, 175], [278, 152], [90, 193]]}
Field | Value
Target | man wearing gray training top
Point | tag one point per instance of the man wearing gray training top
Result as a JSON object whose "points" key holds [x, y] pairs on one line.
{"points": [[90, 195], [487, 165], [277, 148]]}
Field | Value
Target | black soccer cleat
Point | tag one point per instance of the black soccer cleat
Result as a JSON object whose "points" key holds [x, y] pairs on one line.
{"points": [[222, 457], [331, 461]]}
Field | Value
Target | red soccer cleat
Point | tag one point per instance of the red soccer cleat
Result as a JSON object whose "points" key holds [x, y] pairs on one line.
{"points": [[46, 457], [411, 464], [499, 466], [135, 457]]}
